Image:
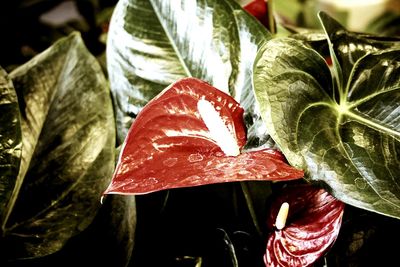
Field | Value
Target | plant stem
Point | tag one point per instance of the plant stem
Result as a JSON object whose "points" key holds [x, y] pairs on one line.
{"points": [[249, 202], [271, 21]]}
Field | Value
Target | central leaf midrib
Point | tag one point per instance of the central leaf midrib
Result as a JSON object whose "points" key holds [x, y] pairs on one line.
{"points": [[171, 40], [77, 45], [23, 171]]}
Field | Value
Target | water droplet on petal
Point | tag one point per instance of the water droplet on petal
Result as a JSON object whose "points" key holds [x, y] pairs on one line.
{"points": [[195, 157], [170, 162], [129, 187], [150, 181]]}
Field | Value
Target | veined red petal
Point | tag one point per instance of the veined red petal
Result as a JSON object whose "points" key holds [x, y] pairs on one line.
{"points": [[312, 226], [169, 145]]}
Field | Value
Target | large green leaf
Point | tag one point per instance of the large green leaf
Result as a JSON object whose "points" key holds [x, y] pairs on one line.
{"points": [[343, 130], [153, 43], [10, 140], [68, 144]]}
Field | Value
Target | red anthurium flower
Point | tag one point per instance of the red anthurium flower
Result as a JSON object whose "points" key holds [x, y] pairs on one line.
{"points": [[191, 134], [305, 222], [259, 9], [328, 61]]}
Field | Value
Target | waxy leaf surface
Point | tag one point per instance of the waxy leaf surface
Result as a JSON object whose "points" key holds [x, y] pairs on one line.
{"points": [[343, 129], [170, 146], [153, 43], [10, 141], [312, 225], [68, 145], [348, 47]]}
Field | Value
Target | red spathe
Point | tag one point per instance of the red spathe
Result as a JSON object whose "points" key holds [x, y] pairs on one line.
{"points": [[169, 145], [312, 226]]}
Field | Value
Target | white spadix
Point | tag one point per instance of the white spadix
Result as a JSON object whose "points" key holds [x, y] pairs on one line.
{"points": [[280, 221], [218, 130]]}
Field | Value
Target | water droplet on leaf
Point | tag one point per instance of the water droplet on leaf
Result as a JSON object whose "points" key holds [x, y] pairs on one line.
{"points": [[360, 183]]}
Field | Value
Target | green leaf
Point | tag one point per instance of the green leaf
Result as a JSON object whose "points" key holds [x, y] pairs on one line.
{"points": [[348, 47], [153, 43], [10, 140], [345, 134], [68, 144], [114, 225]]}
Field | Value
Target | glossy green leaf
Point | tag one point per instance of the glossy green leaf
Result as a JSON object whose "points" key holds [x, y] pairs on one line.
{"points": [[10, 140], [345, 134], [68, 144], [153, 43], [348, 47]]}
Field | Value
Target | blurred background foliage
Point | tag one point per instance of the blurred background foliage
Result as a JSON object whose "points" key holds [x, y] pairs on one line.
{"points": [[371, 16], [30, 26]]}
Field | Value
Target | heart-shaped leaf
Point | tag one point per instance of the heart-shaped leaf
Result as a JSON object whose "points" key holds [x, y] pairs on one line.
{"points": [[68, 145], [153, 43], [172, 144], [10, 141], [312, 225], [347, 136]]}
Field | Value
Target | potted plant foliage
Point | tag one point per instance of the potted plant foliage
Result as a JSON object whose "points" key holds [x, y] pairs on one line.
{"points": [[213, 141]]}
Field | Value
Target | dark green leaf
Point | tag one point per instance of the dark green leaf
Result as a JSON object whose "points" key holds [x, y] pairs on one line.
{"points": [[153, 43], [67, 150], [108, 241], [10, 141], [347, 47], [116, 223], [346, 136], [314, 39]]}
